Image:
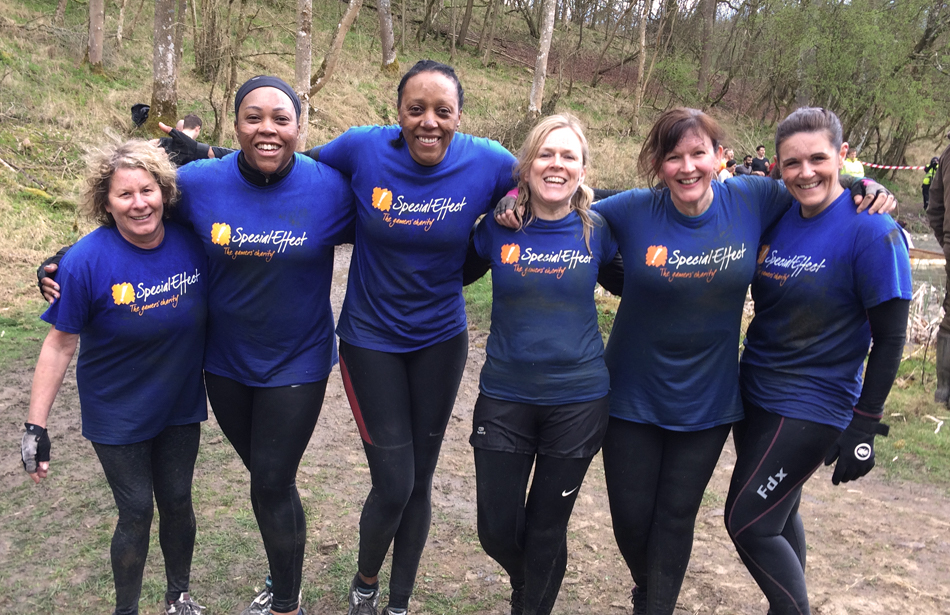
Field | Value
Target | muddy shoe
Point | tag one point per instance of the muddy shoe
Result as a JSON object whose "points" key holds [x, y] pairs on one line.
{"points": [[517, 601], [363, 602], [261, 604], [183, 606], [639, 600]]}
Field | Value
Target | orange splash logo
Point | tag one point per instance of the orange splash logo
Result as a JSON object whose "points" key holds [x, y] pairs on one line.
{"points": [[123, 293], [656, 256], [382, 199], [510, 252], [763, 252], [221, 234]]}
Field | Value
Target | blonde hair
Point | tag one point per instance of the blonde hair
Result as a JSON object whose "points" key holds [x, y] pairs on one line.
{"points": [[582, 198], [133, 154]]}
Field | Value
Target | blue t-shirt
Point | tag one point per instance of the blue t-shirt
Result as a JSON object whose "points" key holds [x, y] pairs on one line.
{"points": [[544, 347], [673, 352], [140, 315], [271, 263], [405, 285], [816, 277]]}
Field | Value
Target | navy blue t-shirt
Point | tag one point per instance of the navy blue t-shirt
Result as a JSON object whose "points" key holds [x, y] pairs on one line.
{"points": [[405, 285], [544, 347], [271, 263], [673, 352], [815, 279], [140, 315]]}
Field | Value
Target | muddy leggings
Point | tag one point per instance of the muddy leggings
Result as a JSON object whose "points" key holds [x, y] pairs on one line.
{"points": [[402, 403], [528, 539], [162, 466], [655, 483], [270, 428], [775, 456]]}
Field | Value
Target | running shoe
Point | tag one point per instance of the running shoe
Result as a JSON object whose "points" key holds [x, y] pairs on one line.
{"points": [[517, 601], [183, 606], [639, 600], [391, 611], [362, 603], [261, 604]]}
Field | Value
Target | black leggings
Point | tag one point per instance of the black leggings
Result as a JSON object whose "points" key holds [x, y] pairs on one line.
{"points": [[655, 482], [163, 466], [529, 540], [270, 429], [775, 456], [402, 403]]}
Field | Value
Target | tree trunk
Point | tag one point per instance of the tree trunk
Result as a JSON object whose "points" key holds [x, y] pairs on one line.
{"points": [[164, 105], [611, 33], [60, 15], [402, 26], [97, 18], [641, 77], [302, 66], [541, 63], [432, 9], [320, 78], [708, 9], [386, 39], [488, 31], [454, 19], [181, 17], [120, 22], [466, 20]]}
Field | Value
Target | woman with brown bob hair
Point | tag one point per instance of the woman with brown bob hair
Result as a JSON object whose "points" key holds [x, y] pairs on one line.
{"points": [[133, 291], [542, 400]]}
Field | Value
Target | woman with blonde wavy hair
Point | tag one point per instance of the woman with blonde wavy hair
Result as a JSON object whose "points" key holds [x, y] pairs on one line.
{"points": [[543, 389], [133, 291]]}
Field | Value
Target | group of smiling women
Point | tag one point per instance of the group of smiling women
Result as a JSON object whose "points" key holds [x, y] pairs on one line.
{"points": [[661, 399]]}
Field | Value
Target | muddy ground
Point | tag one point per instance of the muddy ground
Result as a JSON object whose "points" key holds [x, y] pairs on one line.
{"points": [[875, 547]]}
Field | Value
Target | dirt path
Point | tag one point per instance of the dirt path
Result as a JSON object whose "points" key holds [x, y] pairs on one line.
{"points": [[874, 548]]}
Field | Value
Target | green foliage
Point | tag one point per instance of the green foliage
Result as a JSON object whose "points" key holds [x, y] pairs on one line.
{"points": [[478, 303]]}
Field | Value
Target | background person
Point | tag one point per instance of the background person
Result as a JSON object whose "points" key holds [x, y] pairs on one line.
{"points": [[542, 400], [930, 171], [940, 223], [745, 168], [801, 376], [760, 164], [852, 166], [134, 342]]}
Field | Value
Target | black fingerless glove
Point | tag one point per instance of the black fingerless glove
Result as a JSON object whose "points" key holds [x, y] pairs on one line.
{"points": [[182, 149], [862, 186], [854, 449], [34, 447], [53, 260]]}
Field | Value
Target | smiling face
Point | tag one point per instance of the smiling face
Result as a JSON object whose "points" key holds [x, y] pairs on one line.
{"points": [[267, 130], [136, 204], [810, 165], [555, 174], [429, 115], [688, 170]]}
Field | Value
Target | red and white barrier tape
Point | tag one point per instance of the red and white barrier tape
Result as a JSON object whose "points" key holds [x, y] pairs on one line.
{"points": [[891, 166]]}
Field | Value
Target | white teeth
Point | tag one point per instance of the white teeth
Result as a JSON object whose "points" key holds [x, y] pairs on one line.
{"points": [[429, 140], [141, 217], [808, 186], [689, 182], [555, 180], [268, 147]]}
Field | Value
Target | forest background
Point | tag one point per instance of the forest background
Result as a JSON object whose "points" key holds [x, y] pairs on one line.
{"points": [[71, 69]]}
